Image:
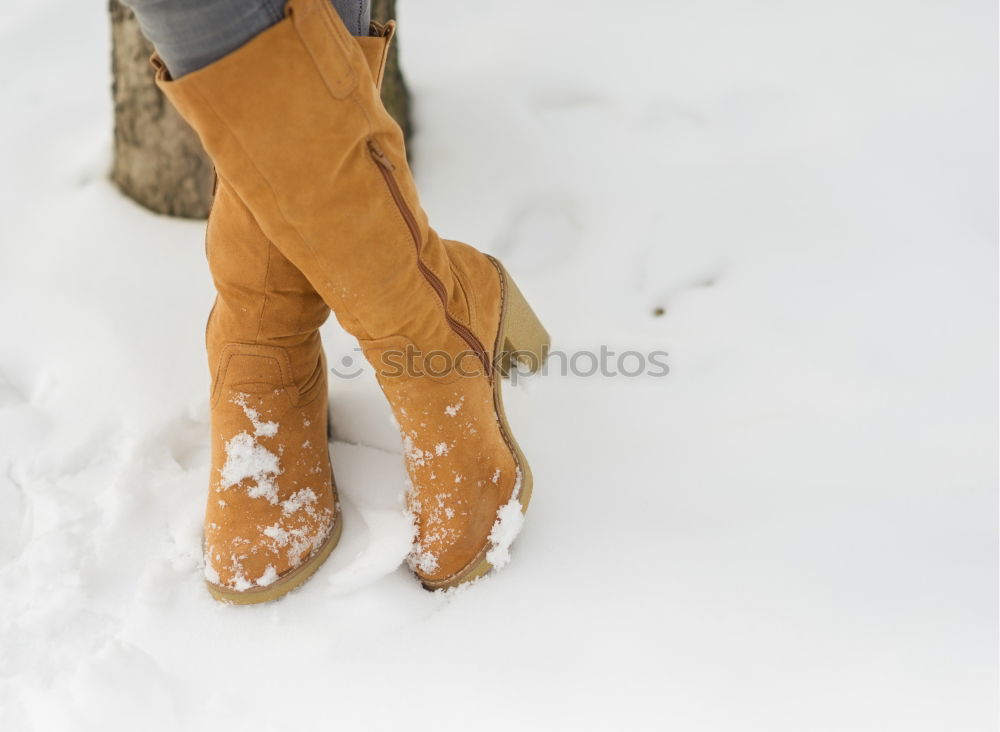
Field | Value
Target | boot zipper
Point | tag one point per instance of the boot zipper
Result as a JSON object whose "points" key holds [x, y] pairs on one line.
{"points": [[386, 168]]}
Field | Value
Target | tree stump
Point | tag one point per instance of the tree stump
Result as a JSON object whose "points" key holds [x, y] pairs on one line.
{"points": [[158, 159]]}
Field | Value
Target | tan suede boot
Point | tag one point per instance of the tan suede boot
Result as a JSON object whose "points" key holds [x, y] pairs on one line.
{"points": [[272, 514], [309, 148]]}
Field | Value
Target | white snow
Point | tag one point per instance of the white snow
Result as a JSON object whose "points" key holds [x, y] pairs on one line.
{"points": [[260, 427], [794, 530], [269, 576], [211, 574], [423, 560], [302, 498], [510, 519], [277, 533], [241, 583], [246, 459]]}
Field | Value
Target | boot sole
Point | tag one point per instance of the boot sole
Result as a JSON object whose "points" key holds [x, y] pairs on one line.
{"points": [[288, 582], [521, 337]]}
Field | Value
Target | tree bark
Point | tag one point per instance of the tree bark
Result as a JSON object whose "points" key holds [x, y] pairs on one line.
{"points": [[158, 160], [394, 93]]}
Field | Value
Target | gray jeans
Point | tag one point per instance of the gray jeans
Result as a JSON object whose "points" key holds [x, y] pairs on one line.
{"points": [[190, 34]]}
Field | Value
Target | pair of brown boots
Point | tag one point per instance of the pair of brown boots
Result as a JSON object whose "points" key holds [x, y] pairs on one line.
{"points": [[316, 209]]}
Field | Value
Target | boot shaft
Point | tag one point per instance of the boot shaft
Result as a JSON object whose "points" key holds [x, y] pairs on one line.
{"points": [[312, 151]]}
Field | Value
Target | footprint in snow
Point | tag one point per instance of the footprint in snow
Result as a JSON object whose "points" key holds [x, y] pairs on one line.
{"points": [[14, 518], [669, 115], [378, 533], [9, 394], [189, 443], [542, 235], [558, 107]]}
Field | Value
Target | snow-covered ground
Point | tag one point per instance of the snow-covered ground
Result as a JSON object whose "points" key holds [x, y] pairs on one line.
{"points": [[794, 530]]}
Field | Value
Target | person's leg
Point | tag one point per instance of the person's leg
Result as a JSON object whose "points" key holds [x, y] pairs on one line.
{"points": [[191, 34], [265, 533], [295, 124], [356, 14]]}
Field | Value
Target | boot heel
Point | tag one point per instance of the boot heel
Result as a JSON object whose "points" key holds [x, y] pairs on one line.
{"points": [[525, 340]]}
